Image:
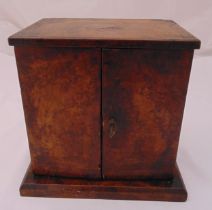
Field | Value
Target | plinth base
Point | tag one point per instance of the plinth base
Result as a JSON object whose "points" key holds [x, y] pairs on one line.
{"points": [[60, 187]]}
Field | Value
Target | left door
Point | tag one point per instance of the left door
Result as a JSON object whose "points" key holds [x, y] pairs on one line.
{"points": [[61, 98]]}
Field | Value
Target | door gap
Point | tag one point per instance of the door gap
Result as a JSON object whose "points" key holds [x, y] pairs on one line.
{"points": [[101, 117]]}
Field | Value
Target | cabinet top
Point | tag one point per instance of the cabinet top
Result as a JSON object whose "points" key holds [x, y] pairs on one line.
{"points": [[111, 33]]}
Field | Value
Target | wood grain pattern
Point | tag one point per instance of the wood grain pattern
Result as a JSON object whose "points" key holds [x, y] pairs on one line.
{"points": [[136, 33], [43, 186], [103, 102], [61, 98], [143, 94]]}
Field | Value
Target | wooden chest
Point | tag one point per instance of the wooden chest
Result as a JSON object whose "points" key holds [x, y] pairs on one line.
{"points": [[103, 102]]}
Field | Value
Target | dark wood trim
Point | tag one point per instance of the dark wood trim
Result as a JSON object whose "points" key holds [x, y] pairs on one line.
{"points": [[161, 190], [105, 43]]}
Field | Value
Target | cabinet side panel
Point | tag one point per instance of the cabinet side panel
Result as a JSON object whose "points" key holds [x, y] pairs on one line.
{"points": [[61, 93], [144, 93]]}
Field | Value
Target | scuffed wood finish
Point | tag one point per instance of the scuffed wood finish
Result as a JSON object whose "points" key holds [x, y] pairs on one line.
{"points": [[103, 102], [61, 95], [124, 33], [143, 97], [43, 186]]}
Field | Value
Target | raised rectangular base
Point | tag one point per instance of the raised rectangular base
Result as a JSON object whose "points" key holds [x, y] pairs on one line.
{"points": [[160, 190]]}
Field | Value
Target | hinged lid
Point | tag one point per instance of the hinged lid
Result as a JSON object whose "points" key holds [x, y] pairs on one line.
{"points": [[111, 33]]}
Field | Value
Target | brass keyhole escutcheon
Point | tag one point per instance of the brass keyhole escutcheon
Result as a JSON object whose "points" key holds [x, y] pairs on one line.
{"points": [[112, 127]]}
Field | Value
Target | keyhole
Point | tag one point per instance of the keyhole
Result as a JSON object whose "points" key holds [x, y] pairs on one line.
{"points": [[112, 127]]}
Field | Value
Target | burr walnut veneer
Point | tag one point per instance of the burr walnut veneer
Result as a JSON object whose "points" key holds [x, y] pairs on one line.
{"points": [[103, 102]]}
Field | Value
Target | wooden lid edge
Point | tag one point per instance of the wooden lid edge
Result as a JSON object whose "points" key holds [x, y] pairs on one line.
{"points": [[170, 44]]}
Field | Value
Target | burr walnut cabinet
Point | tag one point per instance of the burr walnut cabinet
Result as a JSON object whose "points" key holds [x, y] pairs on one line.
{"points": [[103, 101]]}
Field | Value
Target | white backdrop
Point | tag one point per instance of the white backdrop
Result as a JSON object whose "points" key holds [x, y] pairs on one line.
{"points": [[195, 151]]}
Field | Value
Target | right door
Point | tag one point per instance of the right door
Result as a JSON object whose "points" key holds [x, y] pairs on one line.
{"points": [[143, 97]]}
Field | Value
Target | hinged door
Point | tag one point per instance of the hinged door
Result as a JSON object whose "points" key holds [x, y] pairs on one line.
{"points": [[61, 99], [143, 98]]}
